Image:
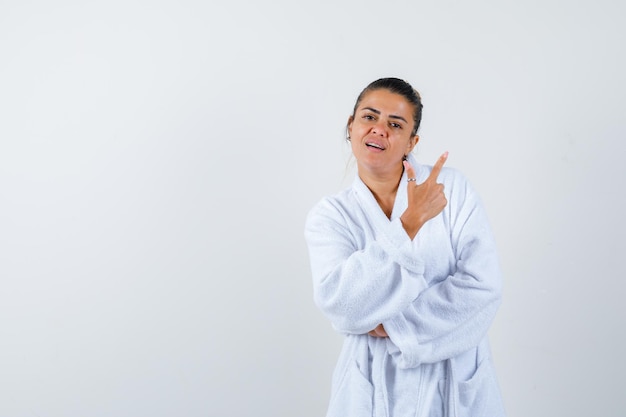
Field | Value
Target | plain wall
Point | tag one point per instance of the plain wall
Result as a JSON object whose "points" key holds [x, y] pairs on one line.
{"points": [[157, 161]]}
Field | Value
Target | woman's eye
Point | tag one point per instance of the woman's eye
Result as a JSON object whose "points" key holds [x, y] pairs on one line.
{"points": [[396, 125], [368, 117]]}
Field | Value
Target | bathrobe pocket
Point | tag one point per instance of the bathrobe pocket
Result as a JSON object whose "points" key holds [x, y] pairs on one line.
{"points": [[473, 396], [474, 393], [353, 395]]}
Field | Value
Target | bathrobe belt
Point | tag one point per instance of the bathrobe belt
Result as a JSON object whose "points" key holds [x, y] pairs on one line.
{"points": [[380, 361]]}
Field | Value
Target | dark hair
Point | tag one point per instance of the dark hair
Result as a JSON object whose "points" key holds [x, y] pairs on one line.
{"points": [[396, 86]]}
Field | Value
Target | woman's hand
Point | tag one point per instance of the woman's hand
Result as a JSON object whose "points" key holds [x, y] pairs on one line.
{"points": [[426, 200], [379, 331]]}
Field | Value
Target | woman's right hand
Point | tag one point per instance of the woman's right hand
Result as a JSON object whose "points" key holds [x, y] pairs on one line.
{"points": [[425, 200], [379, 331]]}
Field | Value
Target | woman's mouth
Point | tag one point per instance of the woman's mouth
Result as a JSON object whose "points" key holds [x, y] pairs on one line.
{"points": [[375, 145]]}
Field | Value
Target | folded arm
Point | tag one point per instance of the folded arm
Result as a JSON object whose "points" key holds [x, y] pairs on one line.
{"points": [[358, 286], [454, 314]]}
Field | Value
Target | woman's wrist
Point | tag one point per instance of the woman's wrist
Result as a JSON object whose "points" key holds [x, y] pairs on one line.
{"points": [[411, 226]]}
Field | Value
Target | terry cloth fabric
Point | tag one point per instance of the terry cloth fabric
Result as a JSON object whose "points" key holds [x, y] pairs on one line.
{"points": [[436, 296]]}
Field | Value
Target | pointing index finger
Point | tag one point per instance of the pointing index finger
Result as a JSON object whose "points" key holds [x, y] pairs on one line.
{"points": [[410, 172], [437, 167]]}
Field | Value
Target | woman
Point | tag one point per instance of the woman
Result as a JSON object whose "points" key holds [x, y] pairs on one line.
{"points": [[404, 265]]}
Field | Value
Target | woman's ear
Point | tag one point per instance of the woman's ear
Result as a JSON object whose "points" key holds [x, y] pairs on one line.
{"points": [[412, 142], [349, 127]]}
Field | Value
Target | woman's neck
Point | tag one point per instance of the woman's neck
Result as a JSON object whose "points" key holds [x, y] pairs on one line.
{"points": [[383, 187]]}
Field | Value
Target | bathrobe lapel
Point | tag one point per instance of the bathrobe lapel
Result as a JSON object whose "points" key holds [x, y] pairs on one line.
{"points": [[370, 206]]}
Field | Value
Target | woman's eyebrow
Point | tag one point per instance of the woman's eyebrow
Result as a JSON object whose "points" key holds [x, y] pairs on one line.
{"points": [[391, 116], [372, 110]]}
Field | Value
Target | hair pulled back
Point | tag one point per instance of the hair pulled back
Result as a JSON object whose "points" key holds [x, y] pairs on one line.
{"points": [[396, 86]]}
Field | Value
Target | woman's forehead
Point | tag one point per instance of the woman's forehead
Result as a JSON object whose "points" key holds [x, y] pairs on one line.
{"points": [[385, 101]]}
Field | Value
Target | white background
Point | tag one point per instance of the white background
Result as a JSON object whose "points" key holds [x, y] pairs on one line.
{"points": [[157, 161]]}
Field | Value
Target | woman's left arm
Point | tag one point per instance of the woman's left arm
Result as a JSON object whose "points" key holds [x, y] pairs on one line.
{"points": [[453, 315]]}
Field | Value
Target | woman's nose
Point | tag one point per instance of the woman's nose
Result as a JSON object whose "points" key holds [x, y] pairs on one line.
{"points": [[379, 129]]}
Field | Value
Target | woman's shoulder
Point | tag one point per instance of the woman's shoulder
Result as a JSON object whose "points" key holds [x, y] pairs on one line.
{"points": [[452, 176], [456, 184], [327, 215]]}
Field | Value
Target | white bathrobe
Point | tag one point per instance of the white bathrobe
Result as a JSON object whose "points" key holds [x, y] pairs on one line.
{"points": [[436, 297]]}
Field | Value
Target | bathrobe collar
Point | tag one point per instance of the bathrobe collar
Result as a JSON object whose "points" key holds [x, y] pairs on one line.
{"points": [[367, 199]]}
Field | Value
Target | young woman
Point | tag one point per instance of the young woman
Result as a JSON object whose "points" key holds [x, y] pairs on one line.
{"points": [[405, 266]]}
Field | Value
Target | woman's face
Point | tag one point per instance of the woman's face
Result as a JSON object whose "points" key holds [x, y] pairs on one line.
{"points": [[381, 132]]}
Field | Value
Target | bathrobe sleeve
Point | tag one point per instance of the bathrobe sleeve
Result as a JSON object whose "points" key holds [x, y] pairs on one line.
{"points": [[358, 283], [454, 314]]}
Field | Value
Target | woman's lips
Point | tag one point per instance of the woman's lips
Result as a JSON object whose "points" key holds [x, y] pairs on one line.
{"points": [[375, 145]]}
